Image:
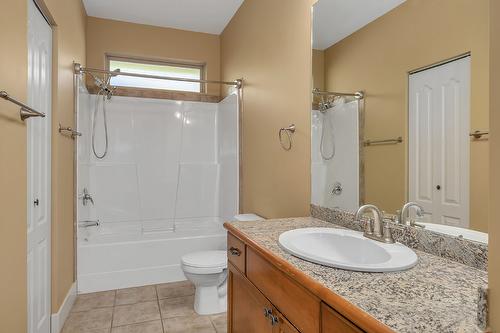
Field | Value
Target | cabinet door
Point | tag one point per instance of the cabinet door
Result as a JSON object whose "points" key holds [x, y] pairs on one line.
{"points": [[283, 325], [333, 322], [247, 312]]}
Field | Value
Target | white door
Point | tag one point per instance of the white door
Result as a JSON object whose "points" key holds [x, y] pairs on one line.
{"points": [[39, 226], [439, 116]]}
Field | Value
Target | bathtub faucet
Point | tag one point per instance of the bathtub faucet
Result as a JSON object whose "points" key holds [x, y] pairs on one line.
{"points": [[86, 197]]}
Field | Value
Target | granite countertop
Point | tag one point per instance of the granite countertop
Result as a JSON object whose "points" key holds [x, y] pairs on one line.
{"points": [[437, 295]]}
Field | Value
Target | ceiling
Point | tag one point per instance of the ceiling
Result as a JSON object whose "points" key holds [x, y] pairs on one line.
{"points": [[336, 19], [210, 16]]}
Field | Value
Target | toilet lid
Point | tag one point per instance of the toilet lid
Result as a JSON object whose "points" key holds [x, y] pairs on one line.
{"points": [[204, 259]]}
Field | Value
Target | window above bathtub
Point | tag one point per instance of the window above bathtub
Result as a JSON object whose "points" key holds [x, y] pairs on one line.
{"points": [[156, 68]]}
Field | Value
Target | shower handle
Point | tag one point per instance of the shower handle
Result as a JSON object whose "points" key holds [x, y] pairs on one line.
{"points": [[337, 189], [86, 197]]}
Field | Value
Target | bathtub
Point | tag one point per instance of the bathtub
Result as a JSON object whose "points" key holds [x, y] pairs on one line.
{"points": [[111, 259]]}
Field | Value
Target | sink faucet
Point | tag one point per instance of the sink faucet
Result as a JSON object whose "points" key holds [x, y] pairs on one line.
{"points": [[403, 214], [376, 229]]}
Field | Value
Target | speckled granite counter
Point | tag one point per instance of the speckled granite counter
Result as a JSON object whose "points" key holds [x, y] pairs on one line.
{"points": [[437, 295]]}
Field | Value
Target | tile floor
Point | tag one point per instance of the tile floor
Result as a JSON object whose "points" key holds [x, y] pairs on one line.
{"points": [[164, 308]]}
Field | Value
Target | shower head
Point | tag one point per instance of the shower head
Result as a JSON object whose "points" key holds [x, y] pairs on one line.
{"points": [[104, 84]]}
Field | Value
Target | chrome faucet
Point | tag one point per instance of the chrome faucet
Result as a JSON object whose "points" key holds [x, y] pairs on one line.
{"points": [[376, 228], [404, 213], [86, 197]]}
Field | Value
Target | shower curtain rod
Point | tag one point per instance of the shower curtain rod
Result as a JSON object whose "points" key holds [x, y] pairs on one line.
{"points": [[78, 69], [357, 94]]}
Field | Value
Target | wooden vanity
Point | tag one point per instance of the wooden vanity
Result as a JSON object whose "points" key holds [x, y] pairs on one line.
{"points": [[268, 294]]}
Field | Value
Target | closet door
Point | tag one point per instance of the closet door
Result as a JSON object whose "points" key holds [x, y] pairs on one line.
{"points": [[439, 116], [39, 172]]}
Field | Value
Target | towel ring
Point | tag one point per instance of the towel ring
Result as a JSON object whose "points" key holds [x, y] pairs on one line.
{"points": [[289, 131]]}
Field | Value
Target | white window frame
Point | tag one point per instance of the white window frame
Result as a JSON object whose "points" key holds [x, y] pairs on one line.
{"points": [[139, 60]]}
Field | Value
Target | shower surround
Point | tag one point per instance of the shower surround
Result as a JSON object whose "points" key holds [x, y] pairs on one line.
{"points": [[335, 156], [168, 181]]}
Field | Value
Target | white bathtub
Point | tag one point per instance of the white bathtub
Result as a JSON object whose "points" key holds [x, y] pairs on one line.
{"points": [[109, 261]]}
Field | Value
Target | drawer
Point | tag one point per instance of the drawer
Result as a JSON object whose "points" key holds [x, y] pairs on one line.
{"points": [[236, 252], [300, 307], [332, 321]]}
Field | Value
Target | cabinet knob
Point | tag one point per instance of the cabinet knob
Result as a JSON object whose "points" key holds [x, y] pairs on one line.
{"points": [[234, 251], [438, 187], [274, 320], [36, 202], [267, 312]]}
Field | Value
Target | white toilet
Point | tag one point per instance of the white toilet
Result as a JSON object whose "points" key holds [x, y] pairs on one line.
{"points": [[207, 270]]}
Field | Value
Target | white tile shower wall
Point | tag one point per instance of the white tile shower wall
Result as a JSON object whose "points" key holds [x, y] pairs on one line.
{"points": [[198, 133], [228, 137], [196, 196], [167, 165]]}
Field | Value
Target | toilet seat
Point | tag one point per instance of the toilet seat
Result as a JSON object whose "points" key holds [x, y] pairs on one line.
{"points": [[204, 262]]}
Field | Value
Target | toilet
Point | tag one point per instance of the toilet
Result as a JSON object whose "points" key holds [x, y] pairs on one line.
{"points": [[207, 270]]}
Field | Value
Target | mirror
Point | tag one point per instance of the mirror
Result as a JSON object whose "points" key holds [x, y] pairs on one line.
{"points": [[400, 109]]}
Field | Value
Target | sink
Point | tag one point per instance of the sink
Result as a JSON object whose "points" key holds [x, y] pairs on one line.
{"points": [[347, 249]]}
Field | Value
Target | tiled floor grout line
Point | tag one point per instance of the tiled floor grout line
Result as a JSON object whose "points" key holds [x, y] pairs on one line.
{"points": [[159, 308], [140, 322], [113, 312], [213, 324]]}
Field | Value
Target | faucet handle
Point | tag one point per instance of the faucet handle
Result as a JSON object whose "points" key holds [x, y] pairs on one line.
{"points": [[387, 232], [369, 226]]}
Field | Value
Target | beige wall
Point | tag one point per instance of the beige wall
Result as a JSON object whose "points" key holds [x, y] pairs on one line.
{"points": [[129, 39], [494, 225], [268, 44], [69, 45], [318, 69], [13, 73], [377, 59]]}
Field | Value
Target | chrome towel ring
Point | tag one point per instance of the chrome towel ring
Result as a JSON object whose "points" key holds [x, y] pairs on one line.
{"points": [[289, 131]]}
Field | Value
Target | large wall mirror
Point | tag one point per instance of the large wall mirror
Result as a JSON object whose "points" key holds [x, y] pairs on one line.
{"points": [[400, 109]]}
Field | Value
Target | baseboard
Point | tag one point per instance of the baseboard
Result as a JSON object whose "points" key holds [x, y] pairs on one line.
{"points": [[58, 319], [89, 283]]}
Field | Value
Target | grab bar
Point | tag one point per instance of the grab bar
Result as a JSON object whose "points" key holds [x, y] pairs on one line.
{"points": [[386, 141], [25, 111]]}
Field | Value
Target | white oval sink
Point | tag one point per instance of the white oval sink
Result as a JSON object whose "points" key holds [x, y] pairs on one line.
{"points": [[347, 249]]}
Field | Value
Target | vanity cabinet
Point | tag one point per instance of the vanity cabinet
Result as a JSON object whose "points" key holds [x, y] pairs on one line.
{"points": [[250, 311], [263, 299], [248, 307]]}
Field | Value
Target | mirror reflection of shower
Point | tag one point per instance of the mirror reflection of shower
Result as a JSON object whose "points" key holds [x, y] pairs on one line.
{"points": [[104, 94], [324, 106], [335, 147]]}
